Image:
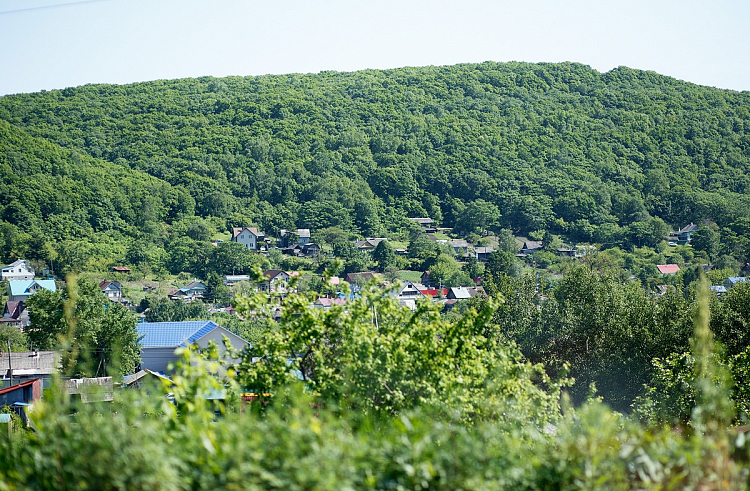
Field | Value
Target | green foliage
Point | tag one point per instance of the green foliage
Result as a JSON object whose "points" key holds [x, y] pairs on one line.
{"points": [[96, 336], [13, 335], [163, 309], [303, 441], [527, 147], [384, 255], [377, 357]]}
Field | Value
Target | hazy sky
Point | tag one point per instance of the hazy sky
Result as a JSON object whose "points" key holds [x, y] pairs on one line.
{"points": [[43, 46]]}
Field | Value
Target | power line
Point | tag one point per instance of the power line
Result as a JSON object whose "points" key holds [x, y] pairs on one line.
{"points": [[54, 6]]}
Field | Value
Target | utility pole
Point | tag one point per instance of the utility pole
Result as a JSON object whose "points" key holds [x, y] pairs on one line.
{"points": [[10, 364]]}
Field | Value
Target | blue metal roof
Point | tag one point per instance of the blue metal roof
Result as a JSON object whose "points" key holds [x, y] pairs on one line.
{"points": [[21, 287], [173, 334]]}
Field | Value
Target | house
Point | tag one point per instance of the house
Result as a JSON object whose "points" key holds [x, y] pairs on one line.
{"points": [[460, 246], [360, 278], [292, 250], [21, 290], [684, 235], [425, 279], [407, 294], [483, 253], [250, 237], [112, 290], [368, 245], [192, 291], [719, 290], [311, 249], [231, 280], [121, 269], [27, 365], [160, 340], [465, 292], [428, 226], [531, 246], [18, 270], [566, 252], [733, 280], [302, 235], [277, 281], [327, 303], [15, 315], [667, 268]]}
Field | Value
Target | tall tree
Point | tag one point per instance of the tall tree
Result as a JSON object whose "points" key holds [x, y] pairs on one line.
{"points": [[97, 337]]}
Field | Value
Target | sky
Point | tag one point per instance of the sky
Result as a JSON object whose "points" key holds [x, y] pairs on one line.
{"points": [[53, 44]]}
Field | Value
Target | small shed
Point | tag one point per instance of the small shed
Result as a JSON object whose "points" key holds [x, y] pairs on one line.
{"points": [[25, 393]]}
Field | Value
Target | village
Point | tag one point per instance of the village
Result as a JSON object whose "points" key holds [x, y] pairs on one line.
{"points": [[25, 373]]}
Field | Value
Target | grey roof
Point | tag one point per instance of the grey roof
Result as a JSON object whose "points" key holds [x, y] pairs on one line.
{"points": [[237, 277], [484, 250], [422, 220], [687, 228], [301, 232], [732, 280], [173, 334], [530, 245], [17, 262], [30, 362], [460, 292], [132, 379]]}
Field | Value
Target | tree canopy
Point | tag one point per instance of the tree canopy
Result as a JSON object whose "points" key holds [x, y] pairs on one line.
{"points": [[601, 157]]}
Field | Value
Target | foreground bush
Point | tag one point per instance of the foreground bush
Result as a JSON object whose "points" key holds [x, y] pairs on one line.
{"points": [[297, 440]]}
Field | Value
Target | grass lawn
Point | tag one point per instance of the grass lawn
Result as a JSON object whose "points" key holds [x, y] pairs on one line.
{"points": [[406, 275]]}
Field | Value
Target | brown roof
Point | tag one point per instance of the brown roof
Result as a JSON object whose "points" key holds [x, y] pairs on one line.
{"points": [[14, 308], [238, 230], [273, 273], [121, 269]]}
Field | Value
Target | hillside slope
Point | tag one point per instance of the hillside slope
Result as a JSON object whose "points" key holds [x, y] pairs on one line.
{"points": [[599, 157]]}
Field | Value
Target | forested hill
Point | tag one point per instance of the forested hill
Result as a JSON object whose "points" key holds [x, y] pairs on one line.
{"points": [[598, 157]]}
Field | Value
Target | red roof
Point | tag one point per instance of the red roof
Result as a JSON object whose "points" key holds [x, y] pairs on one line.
{"points": [[434, 292], [19, 386], [668, 268]]}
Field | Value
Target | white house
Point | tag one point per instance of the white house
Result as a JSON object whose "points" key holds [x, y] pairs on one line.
{"points": [[277, 281], [18, 270], [161, 339], [112, 290], [250, 237], [407, 293]]}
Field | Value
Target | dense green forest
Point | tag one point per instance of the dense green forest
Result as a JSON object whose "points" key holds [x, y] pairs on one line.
{"points": [[616, 157]]}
